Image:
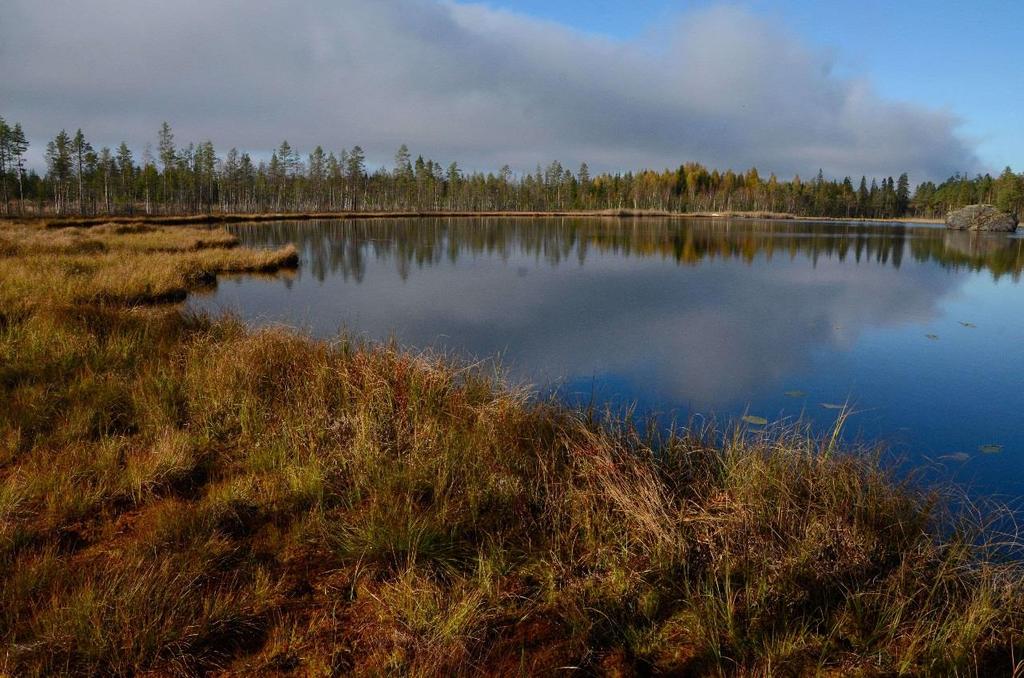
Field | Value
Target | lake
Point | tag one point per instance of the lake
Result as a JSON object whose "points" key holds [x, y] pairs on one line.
{"points": [[919, 329]]}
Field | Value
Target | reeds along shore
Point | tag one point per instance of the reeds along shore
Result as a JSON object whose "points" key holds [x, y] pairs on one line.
{"points": [[181, 495]]}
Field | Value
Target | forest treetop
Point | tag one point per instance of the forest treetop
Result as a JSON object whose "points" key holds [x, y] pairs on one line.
{"points": [[194, 178]]}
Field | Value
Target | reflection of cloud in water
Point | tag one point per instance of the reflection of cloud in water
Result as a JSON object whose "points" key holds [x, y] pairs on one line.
{"points": [[678, 311], [707, 336]]}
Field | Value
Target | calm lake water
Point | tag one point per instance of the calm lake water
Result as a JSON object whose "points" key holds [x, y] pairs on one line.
{"points": [[920, 329]]}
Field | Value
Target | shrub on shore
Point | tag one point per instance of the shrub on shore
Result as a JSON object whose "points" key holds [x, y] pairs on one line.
{"points": [[181, 494]]}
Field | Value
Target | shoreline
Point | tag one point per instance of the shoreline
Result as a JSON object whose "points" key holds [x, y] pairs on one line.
{"points": [[235, 217]]}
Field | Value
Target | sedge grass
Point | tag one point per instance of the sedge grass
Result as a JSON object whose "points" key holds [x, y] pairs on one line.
{"points": [[181, 495]]}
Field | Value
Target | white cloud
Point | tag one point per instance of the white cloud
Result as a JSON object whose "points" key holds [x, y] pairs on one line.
{"points": [[457, 81]]}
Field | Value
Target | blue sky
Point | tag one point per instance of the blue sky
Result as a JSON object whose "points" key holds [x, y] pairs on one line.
{"points": [[967, 57]]}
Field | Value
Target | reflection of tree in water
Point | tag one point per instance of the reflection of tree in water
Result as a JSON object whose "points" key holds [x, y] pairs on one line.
{"points": [[341, 247], [998, 253]]}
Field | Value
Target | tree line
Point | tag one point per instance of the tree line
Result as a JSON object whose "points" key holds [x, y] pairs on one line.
{"points": [[195, 178]]}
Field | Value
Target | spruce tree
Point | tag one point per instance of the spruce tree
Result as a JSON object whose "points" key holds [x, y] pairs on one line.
{"points": [[902, 195]]}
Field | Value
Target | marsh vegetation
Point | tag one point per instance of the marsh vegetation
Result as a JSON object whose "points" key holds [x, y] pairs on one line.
{"points": [[181, 494]]}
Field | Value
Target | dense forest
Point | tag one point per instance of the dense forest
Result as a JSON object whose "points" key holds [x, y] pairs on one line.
{"points": [[194, 178]]}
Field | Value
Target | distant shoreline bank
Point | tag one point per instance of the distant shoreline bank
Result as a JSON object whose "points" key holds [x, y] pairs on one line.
{"points": [[222, 218]]}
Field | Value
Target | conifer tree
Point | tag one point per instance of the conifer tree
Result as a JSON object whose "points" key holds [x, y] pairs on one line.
{"points": [[17, 147], [355, 171], [59, 164], [5, 161], [168, 157]]}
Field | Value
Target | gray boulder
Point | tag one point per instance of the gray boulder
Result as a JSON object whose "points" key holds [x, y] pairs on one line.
{"points": [[981, 218]]}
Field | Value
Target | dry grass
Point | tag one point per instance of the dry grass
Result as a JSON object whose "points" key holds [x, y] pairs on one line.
{"points": [[787, 216], [225, 217], [229, 218], [180, 495], [121, 263], [33, 239]]}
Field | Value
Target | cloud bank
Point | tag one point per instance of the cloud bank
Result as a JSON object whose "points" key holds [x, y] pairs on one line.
{"points": [[458, 81]]}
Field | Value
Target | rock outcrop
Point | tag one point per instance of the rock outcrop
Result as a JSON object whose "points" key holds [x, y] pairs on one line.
{"points": [[981, 218]]}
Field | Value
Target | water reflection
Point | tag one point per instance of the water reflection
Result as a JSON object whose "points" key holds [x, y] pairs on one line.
{"points": [[338, 247], [690, 316]]}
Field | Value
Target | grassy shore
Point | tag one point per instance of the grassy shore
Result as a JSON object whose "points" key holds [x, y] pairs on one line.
{"points": [[226, 218], [231, 218], [796, 217], [181, 495]]}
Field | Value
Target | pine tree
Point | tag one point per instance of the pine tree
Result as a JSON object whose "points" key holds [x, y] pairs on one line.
{"points": [[403, 175], [168, 156], [356, 165], [205, 169], [355, 169], [5, 162], [59, 163], [289, 159], [453, 177], [335, 176], [583, 176], [247, 181], [276, 176], [403, 163], [1009, 192], [18, 146], [106, 166], [126, 172]]}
